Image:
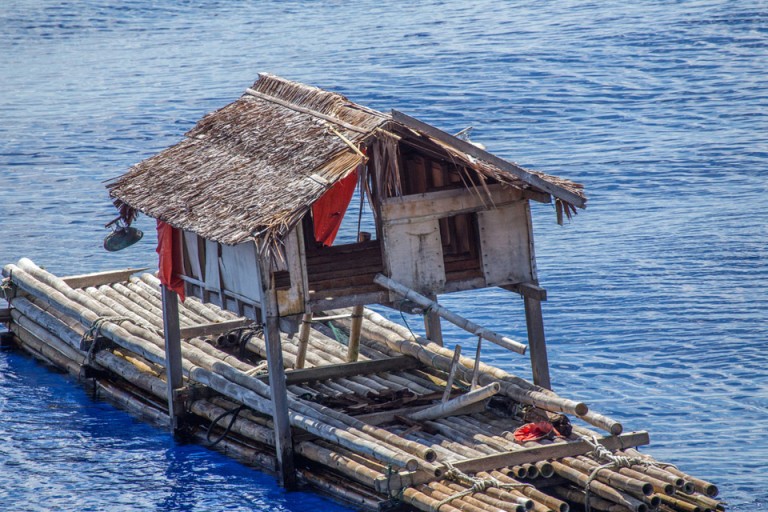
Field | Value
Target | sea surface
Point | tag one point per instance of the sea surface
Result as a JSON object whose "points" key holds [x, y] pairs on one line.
{"points": [[658, 291]]}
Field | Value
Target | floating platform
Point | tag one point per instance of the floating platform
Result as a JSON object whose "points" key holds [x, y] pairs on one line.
{"points": [[406, 427]]}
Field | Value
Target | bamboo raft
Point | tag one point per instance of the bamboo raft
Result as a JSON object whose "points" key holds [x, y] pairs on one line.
{"points": [[402, 428]]}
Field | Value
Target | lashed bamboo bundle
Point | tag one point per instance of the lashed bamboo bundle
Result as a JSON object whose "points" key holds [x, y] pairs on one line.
{"points": [[50, 319]]}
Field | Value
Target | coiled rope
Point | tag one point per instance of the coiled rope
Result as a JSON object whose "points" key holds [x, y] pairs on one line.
{"points": [[234, 412], [475, 485]]}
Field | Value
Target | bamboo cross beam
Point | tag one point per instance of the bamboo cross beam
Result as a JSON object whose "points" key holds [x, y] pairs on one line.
{"points": [[452, 317], [515, 458]]}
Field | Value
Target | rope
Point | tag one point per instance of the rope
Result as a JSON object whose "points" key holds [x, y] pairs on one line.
{"points": [[234, 412], [340, 336], [475, 485], [6, 288], [402, 315], [612, 461], [93, 333], [240, 336]]}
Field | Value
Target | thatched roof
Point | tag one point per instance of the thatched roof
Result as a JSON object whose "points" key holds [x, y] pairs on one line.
{"points": [[255, 167]]}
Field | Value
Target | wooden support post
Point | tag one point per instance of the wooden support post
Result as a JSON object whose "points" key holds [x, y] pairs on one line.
{"points": [[353, 350], [306, 326], [172, 335], [277, 384], [536, 342], [434, 331]]}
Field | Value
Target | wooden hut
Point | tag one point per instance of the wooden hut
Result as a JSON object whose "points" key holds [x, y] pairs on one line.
{"points": [[249, 202]]}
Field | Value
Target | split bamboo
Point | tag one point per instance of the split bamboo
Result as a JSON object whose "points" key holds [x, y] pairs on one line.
{"points": [[451, 406]]}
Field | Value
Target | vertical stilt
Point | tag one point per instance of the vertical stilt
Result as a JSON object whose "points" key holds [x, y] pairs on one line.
{"points": [[277, 385], [353, 351], [306, 325], [432, 326], [536, 342], [172, 335]]}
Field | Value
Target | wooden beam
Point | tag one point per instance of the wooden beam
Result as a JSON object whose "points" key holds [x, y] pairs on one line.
{"points": [[5, 315], [100, 278], [214, 328], [277, 384], [529, 290], [517, 457], [441, 203], [337, 371], [537, 343], [472, 150], [336, 299], [433, 329], [173, 365]]}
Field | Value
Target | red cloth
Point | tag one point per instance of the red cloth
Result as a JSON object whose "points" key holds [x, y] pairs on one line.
{"points": [[170, 255], [328, 211], [534, 431]]}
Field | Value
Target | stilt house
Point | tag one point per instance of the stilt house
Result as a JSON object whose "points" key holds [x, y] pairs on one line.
{"points": [[252, 199]]}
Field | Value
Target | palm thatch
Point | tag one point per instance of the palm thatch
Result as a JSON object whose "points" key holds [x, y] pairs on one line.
{"points": [[254, 168]]}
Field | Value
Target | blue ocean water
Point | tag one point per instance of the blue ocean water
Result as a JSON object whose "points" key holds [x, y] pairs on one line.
{"points": [[658, 292]]}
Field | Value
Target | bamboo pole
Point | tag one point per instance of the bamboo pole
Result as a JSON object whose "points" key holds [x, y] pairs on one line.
{"points": [[595, 502], [455, 319], [123, 338], [609, 477], [599, 488], [43, 351], [531, 492], [455, 404], [439, 357], [353, 350], [306, 325]]}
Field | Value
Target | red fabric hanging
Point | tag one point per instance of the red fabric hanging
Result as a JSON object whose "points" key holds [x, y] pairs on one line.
{"points": [[328, 211], [170, 256]]}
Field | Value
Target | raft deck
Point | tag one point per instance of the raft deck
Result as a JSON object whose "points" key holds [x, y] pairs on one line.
{"points": [[379, 433]]}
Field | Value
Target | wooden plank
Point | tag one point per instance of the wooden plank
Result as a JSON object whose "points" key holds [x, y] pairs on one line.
{"points": [[445, 203], [504, 241], [101, 278], [277, 383], [344, 298], [337, 371], [239, 270], [537, 343], [521, 456], [173, 369], [472, 150], [527, 290], [193, 254], [214, 328], [292, 301], [433, 329], [415, 255]]}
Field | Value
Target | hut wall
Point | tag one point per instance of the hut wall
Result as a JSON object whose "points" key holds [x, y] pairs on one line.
{"points": [[458, 239], [224, 275], [506, 239]]}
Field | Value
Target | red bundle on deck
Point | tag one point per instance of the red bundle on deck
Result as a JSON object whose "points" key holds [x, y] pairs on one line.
{"points": [[328, 211], [170, 256]]}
